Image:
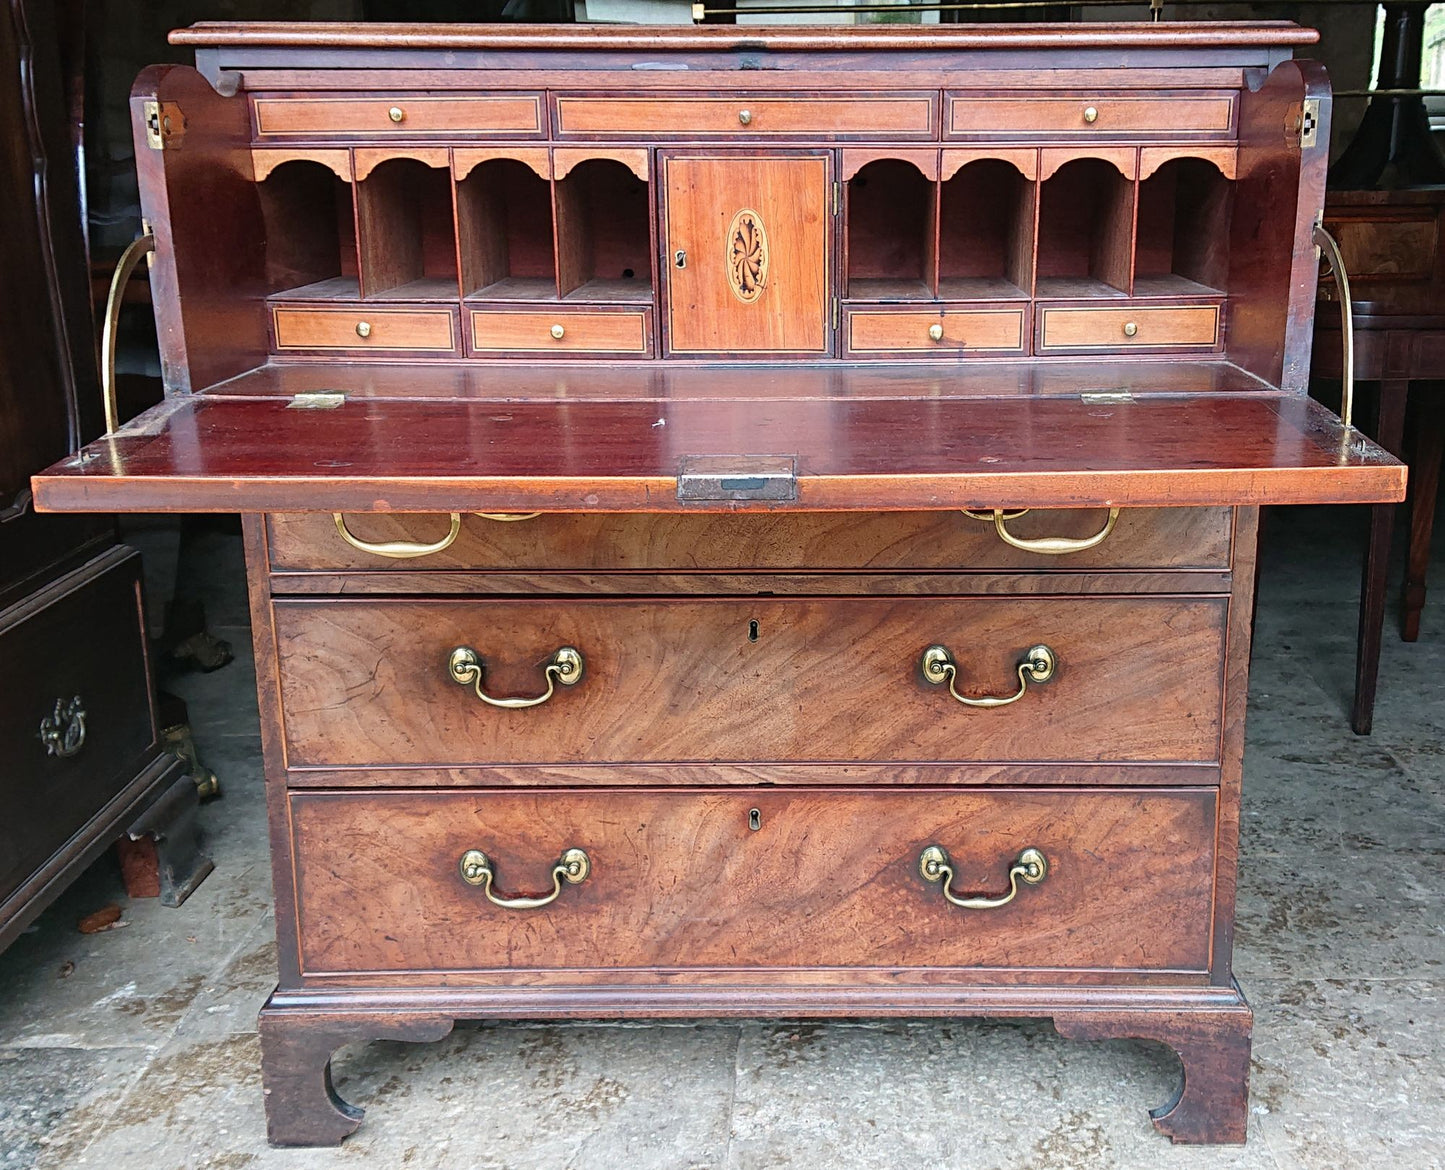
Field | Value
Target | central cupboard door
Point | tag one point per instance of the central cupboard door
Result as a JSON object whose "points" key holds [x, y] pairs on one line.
{"points": [[747, 253]]}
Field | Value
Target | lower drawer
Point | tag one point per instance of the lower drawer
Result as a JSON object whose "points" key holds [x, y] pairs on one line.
{"points": [[1182, 327], [561, 332], [935, 331], [75, 712], [705, 879]]}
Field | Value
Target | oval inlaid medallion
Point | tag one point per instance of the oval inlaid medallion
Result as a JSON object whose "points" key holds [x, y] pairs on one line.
{"points": [[747, 248]]}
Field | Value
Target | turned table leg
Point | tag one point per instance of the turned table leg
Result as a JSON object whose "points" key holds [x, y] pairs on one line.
{"points": [[1211, 1105], [1424, 487], [1389, 433], [302, 1105]]}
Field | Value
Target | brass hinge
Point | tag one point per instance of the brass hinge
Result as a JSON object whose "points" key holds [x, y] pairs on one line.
{"points": [[1309, 123], [837, 196], [165, 125], [835, 314], [316, 400], [1098, 396]]}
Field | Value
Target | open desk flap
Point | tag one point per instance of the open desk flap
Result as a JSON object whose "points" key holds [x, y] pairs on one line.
{"points": [[210, 453]]}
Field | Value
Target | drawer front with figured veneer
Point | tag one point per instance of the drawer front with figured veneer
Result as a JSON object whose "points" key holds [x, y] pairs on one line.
{"points": [[398, 116], [899, 115], [1183, 327], [1100, 880], [1072, 539], [951, 331], [463, 682], [365, 329], [1091, 116], [550, 332]]}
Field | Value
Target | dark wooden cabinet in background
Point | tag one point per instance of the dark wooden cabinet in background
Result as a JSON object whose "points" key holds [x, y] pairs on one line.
{"points": [[80, 750], [742, 522]]}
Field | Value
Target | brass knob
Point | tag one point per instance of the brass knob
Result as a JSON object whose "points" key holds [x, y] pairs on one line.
{"points": [[558, 331], [935, 332], [396, 113], [1091, 115], [745, 117], [1130, 328], [363, 329]]}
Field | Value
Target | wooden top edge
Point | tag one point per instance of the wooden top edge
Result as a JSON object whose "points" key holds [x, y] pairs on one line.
{"points": [[342, 35]]}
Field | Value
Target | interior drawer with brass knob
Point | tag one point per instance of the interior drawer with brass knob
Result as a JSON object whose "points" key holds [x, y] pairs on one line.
{"points": [[364, 327], [398, 116], [901, 114], [1161, 327], [1083, 115], [462, 682], [538, 332], [512, 885], [934, 331]]}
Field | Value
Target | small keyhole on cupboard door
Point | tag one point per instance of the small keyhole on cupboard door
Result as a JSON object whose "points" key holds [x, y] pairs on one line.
{"points": [[753, 630], [680, 258], [755, 819]]}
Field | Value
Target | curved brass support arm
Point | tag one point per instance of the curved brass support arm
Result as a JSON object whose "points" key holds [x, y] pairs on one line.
{"points": [[135, 252], [1037, 666], [398, 550], [507, 517], [1330, 246], [572, 867], [565, 667], [1049, 545], [935, 865]]}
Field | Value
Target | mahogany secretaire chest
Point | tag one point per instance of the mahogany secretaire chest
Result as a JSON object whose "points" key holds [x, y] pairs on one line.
{"points": [[742, 522]]}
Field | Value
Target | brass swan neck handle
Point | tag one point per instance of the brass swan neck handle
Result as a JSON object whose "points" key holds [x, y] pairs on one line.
{"points": [[572, 867], [1037, 666], [1053, 546], [935, 865], [565, 666]]}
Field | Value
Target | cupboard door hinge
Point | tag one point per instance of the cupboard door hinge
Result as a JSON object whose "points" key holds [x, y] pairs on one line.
{"points": [[837, 196], [1309, 123], [316, 400], [835, 315], [165, 125]]}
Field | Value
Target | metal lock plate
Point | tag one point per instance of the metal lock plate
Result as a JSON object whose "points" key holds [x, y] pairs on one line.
{"points": [[737, 477]]}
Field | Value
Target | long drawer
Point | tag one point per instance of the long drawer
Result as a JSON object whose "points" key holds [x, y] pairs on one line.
{"points": [[1143, 538], [392, 882], [391, 682], [1091, 115], [398, 115], [903, 115], [76, 710]]}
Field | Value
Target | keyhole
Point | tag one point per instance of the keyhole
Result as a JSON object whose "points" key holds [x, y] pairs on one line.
{"points": [[755, 819], [753, 630]]}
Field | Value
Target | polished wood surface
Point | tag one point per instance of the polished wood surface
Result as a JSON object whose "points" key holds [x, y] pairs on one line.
{"points": [[420, 114], [680, 880], [365, 682], [580, 332], [228, 454], [813, 542], [1171, 114]]}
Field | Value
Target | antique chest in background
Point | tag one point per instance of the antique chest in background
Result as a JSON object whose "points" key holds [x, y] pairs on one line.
{"points": [[742, 523]]}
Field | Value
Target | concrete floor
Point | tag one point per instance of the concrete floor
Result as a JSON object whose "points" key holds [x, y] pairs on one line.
{"points": [[144, 1055]]}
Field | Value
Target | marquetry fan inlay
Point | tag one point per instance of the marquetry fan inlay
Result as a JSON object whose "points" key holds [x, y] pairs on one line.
{"points": [[747, 245]]}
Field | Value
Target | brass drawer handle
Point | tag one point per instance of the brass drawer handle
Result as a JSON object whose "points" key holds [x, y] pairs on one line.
{"points": [[63, 730], [935, 332], [936, 866], [1049, 545], [1037, 666], [398, 550], [572, 867], [565, 667], [396, 114], [745, 117], [1091, 114]]}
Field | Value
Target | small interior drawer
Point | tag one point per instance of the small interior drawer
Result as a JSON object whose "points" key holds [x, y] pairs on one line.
{"points": [[1085, 115], [898, 115], [1137, 327], [936, 331], [364, 328], [755, 878], [560, 332], [397, 115]]}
